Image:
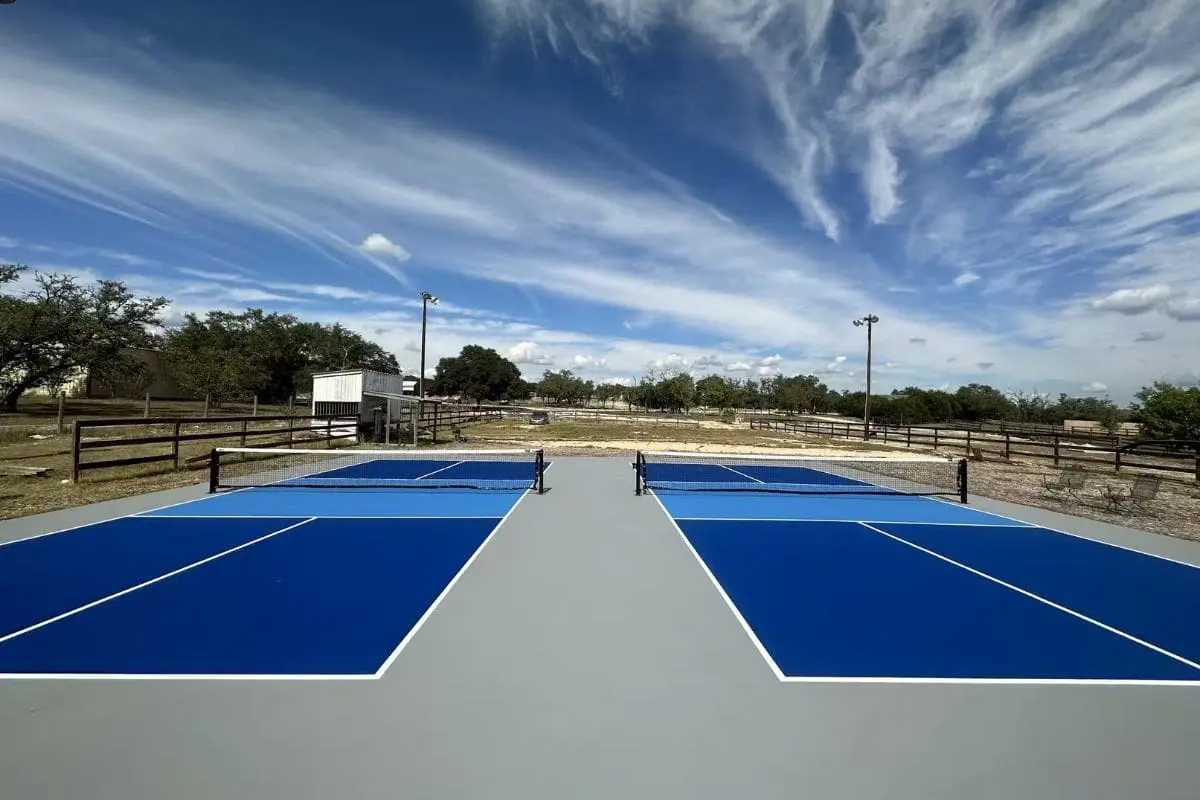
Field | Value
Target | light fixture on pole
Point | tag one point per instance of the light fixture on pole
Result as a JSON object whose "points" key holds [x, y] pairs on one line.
{"points": [[869, 321], [426, 299]]}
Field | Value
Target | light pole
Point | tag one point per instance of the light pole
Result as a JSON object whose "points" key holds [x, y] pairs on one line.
{"points": [[869, 321], [426, 299]]}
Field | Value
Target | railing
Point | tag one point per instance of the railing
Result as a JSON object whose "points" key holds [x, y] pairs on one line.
{"points": [[326, 429], [1062, 447]]}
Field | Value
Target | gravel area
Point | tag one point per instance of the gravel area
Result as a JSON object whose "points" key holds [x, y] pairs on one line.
{"points": [[1175, 512]]}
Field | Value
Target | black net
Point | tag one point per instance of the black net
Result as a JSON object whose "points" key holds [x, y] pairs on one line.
{"points": [[242, 467], [731, 472]]}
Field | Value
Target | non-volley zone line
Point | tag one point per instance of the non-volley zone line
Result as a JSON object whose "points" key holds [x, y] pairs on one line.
{"points": [[268, 609], [839, 601]]}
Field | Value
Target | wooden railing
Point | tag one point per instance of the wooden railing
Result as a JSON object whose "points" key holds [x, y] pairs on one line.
{"points": [[311, 429], [1061, 447]]}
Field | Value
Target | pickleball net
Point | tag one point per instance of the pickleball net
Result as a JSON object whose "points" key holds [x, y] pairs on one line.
{"points": [[665, 471], [249, 467]]}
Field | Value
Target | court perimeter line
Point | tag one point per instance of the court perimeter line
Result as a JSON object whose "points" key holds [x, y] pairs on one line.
{"points": [[992, 681], [122, 516], [157, 676], [144, 584], [867, 521], [320, 516], [1037, 597], [1078, 535], [383, 668], [762, 651]]}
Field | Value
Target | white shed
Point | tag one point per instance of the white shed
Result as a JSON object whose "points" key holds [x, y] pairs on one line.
{"points": [[358, 392]]}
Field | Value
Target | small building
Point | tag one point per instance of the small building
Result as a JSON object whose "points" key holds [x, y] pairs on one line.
{"points": [[357, 393]]}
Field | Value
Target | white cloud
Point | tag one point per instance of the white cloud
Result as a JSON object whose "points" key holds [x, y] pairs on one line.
{"points": [[1095, 387], [670, 363], [1150, 336], [527, 353], [7, 242], [1132, 301], [379, 245], [738, 366], [587, 362], [966, 279], [706, 362], [881, 180], [770, 361]]}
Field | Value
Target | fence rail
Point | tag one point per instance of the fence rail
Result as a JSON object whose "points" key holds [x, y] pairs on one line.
{"points": [[1062, 447], [327, 429]]}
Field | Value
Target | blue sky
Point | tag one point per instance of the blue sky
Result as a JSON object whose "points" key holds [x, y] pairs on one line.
{"points": [[614, 187]]}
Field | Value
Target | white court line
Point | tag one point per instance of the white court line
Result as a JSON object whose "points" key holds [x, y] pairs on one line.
{"points": [[739, 472], [762, 651], [144, 584], [440, 469], [127, 516], [1037, 597], [442, 595], [852, 521], [991, 681], [320, 516], [1074, 535], [155, 676]]}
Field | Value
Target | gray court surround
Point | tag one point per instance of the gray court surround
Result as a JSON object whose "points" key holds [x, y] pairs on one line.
{"points": [[586, 655]]}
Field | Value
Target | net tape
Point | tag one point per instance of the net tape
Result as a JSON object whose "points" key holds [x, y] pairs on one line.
{"points": [[247, 467], [667, 471]]}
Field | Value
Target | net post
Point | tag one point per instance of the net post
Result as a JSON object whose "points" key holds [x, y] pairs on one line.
{"points": [[962, 480], [639, 463], [540, 466], [214, 471]]}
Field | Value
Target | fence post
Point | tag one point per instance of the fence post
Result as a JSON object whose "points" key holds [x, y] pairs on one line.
{"points": [[1007, 447], [146, 407], [254, 407], [62, 402], [935, 433], [968, 443], [435, 423], [329, 433], [292, 405], [206, 406], [908, 439], [243, 439], [292, 431], [175, 444], [75, 453], [1117, 461], [1056, 449]]}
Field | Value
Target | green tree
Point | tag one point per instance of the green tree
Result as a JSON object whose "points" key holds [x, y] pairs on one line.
{"points": [[714, 391], [212, 356], [1167, 411], [479, 373], [59, 328], [979, 402]]}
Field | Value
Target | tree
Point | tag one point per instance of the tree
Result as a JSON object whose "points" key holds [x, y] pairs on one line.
{"points": [[978, 402], [479, 373], [213, 357], [1167, 411], [227, 355], [59, 327], [714, 391]]}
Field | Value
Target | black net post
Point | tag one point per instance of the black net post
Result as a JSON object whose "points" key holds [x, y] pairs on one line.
{"points": [[962, 480], [540, 472], [214, 471], [639, 467]]}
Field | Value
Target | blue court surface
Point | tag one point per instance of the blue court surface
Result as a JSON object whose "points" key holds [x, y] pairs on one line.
{"points": [[275, 582], [902, 588]]}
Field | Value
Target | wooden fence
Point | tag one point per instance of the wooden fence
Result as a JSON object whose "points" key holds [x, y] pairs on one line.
{"points": [[313, 429], [1062, 447], [443, 416]]}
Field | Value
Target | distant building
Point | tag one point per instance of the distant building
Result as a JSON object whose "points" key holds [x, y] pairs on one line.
{"points": [[157, 381]]}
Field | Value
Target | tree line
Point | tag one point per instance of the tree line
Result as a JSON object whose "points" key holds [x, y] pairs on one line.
{"points": [[57, 327]]}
